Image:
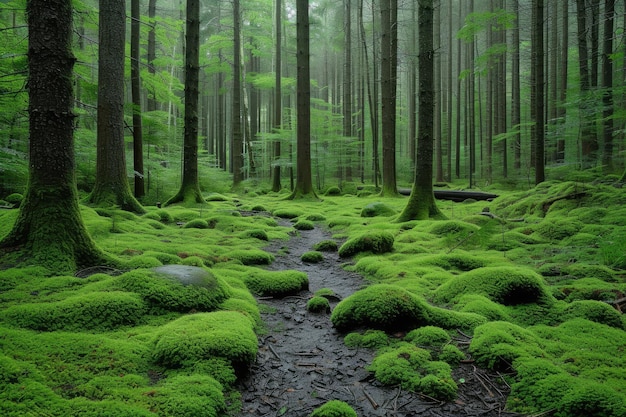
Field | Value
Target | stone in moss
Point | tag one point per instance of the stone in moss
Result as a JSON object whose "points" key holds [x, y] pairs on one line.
{"points": [[312, 257], [196, 224], [380, 306], [223, 334], [428, 336], [177, 288], [505, 285], [334, 408], [276, 283], [318, 305], [92, 311], [326, 246], [304, 225], [374, 241], [377, 209]]}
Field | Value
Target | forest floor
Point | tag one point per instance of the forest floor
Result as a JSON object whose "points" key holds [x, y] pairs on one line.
{"points": [[302, 361]]}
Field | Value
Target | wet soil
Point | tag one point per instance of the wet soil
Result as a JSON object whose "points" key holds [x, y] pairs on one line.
{"points": [[302, 361]]}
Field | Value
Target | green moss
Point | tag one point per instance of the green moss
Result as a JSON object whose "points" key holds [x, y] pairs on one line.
{"points": [[304, 225], [326, 246], [164, 258], [276, 283], [452, 227], [216, 197], [190, 396], [315, 217], [325, 292], [333, 191], [590, 289], [381, 306], [194, 261], [289, 213], [374, 241], [334, 408], [15, 199], [558, 229], [372, 339], [251, 256], [92, 311], [143, 261], [479, 304], [596, 311], [318, 305], [451, 355], [246, 307], [259, 234], [581, 270], [182, 288], [377, 209], [428, 336], [196, 224], [312, 257], [504, 285], [223, 334]]}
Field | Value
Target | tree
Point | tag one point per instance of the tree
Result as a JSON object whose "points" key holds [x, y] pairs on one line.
{"points": [[111, 186], [237, 133], [135, 81], [304, 181], [421, 204], [607, 84], [49, 229], [537, 102], [189, 191], [278, 104]]}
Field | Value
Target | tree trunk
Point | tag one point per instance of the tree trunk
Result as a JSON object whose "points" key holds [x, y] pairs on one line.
{"points": [[49, 230], [151, 53], [589, 139], [347, 88], [304, 181], [438, 95], [278, 105], [135, 81], [111, 187], [607, 85], [421, 204], [516, 104], [189, 192], [388, 95], [237, 131], [537, 102], [561, 112]]}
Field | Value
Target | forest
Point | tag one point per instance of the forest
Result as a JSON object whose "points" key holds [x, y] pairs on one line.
{"points": [[312, 208]]}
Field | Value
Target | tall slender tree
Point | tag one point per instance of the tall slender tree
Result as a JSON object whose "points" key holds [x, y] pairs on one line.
{"points": [[189, 191], [388, 96], [421, 204], [135, 81], [537, 101], [607, 85], [278, 95], [111, 187], [304, 180], [49, 230], [236, 119]]}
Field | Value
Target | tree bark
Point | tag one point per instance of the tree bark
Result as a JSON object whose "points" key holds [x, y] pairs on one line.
{"points": [[537, 102], [421, 204], [278, 105], [607, 85], [237, 131], [49, 230], [388, 95], [151, 53], [588, 135], [111, 187], [516, 104], [189, 192]]}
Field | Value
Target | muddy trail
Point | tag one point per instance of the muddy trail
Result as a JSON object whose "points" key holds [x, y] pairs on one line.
{"points": [[302, 361]]}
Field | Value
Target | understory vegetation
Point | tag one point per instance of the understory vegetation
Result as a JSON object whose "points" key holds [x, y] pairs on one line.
{"points": [[533, 285]]}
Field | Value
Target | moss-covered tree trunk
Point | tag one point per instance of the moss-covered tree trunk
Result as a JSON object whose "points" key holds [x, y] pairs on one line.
{"points": [[49, 230], [190, 189], [421, 204], [111, 187], [304, 180]]}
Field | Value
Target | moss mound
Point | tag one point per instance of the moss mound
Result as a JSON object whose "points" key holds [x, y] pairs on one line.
{"points": [[374, 241], [428, 336], [372, 339], [190, 396], [197, 337], [592, 310], [276, 283], [334, 408], [312, 257], [251, 256], [326, 246], [177, 288], [381, 306], [318, 304], [304, 225], [505, 285], [92, 311], [377, 209]]}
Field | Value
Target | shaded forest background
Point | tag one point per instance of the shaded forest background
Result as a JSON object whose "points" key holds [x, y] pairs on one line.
{"points": [[487, 100]]}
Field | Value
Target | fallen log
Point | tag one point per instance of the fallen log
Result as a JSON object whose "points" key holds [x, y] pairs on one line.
{"points": [[456, 195]]}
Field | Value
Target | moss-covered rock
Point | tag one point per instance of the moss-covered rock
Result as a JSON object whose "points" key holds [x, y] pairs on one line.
{"points": [[318, 304], [276, 283], [259, 234], [326, 246], [377, 209], [223, 334], [334, 190], [428, 336], [177, 288], [15, 199], [372, 339], [558, 229], [196, 224], [190, 396], [373, 241], [596, 311], [92, 311], [505, 285], [381, 306], [312, 257], [334, 408], [304, 225], [251, 256]]}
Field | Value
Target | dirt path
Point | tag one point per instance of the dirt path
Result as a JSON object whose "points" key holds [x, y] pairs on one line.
{"points": [[302, 361]]}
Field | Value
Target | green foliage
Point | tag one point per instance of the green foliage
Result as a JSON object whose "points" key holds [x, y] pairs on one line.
{"points": [[288, 213], [251, 256], [197, 224], [190, 396], [372, 339], [276, 283], [596, 311], [304, 225], [428, 336], [558, 229], [259, 234], [92, 311], [315, 217], [374, 241], [451, 355], [318, 304], [222, 334], [504, 285], [326, 246], [334, 408], [312, 257], [377, 209], [197, 290]]}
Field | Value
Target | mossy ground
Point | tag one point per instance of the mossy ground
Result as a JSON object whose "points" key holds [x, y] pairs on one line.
{"points": [[547, 265]]}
